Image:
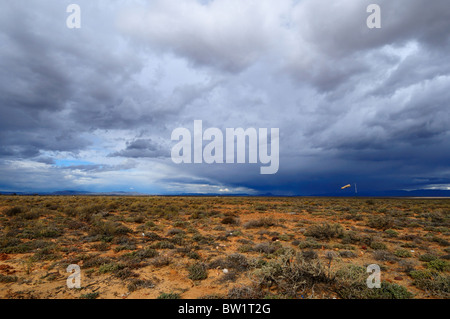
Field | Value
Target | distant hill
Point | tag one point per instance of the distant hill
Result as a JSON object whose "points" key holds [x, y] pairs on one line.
{"points": [[211, 194], [69, 192], [74, 193]]}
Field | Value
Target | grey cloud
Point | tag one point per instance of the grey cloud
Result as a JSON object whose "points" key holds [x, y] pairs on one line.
{"points": [[45, 160], [141, 148], [349, 101], [337, 46], [57, 84], [30, 143], [424, 65], [228, 35]]}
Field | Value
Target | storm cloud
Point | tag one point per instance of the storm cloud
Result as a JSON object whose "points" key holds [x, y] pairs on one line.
{"points": [[94, 108]]}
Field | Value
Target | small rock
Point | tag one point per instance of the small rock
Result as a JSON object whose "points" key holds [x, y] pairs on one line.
{"points": [[398, 278]]}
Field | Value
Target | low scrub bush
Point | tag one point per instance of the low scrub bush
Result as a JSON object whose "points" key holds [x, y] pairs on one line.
{"points": [[198, 271], [325, 231]]}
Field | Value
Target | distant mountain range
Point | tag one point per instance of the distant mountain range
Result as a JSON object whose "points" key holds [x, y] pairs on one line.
{"points": [[74, 193], [387, 193]]}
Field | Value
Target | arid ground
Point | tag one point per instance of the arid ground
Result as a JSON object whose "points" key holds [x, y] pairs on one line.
{"points": [[223, 247]]}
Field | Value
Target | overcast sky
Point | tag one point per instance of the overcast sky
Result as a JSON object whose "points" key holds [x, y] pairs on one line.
{"points": [[93, 108]]}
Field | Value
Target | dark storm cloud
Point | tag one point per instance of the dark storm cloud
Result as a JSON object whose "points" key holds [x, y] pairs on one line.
{"points": [[142, 148], [336, 28], [55, 85], [352, 104], [343, 49], [29, 143], [36, 85]]}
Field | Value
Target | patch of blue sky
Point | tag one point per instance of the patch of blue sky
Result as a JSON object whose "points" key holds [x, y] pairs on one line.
{"points": [[71, 162]]}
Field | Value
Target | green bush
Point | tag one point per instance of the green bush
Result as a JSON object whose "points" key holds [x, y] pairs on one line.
{"points": [[351, 284], [230, 220], [383, 255], [7, 279], [432, 282], [402, 253], [141, 254], [325, 231], [92, 295], [378, 246], [439, 265], [266, 248], [291, 275], [198, 271], [170, 295], [390, 291], [262, 222], [137, 284], [110, 268], [193, 255], [13, 211], [422, 274], [109, 228], [245, 292], [391, 233], [164, 244], [427, 257], [46, 253], [311, 244], [351, 237], [380, 222]]}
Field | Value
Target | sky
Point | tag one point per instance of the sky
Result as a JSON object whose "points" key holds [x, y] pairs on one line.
{"points": [[93, 108]]}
